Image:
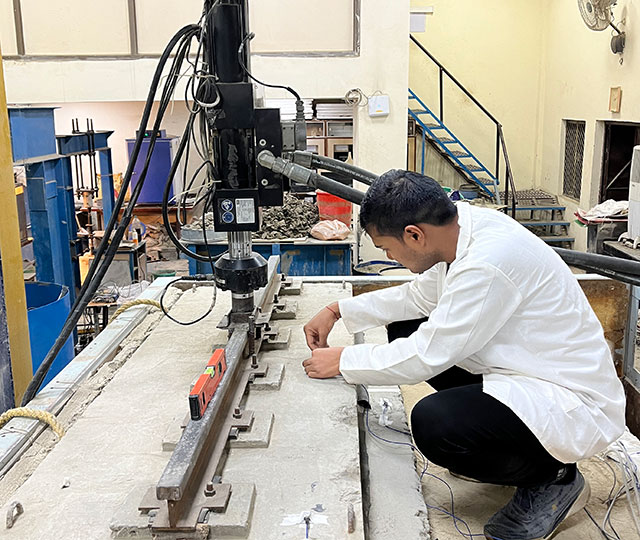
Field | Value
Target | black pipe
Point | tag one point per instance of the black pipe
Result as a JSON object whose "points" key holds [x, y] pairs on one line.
{"points": [[599, 263], [309, 160], [302, 175]]}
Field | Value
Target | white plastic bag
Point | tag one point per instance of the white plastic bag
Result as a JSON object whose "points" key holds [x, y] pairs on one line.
{"points": [[330, 230]]}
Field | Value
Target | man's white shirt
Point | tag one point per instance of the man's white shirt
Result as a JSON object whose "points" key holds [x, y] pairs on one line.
{"points": [[510, 309]]}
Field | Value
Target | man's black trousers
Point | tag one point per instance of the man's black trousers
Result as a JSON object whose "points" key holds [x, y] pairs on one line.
{"points": [[472, 434]]}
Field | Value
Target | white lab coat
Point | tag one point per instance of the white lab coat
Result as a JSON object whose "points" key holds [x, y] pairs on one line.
{"points": [[510, 309]]}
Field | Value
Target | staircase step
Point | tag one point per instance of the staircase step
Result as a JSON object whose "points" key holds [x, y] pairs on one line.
{"points": [[534, 223], [419, 112], [475, 169], [434, 126], [460, 154], [548, 207], [446, 140], [554, 239]]}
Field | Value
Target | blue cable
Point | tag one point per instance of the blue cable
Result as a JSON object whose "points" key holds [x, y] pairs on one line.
{"points": [[424, 472]]}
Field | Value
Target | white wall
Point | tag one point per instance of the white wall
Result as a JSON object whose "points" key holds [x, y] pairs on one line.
{"points": [[382, 65]]}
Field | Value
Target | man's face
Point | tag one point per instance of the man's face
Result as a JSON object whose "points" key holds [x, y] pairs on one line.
{"points": [[412, 250]]}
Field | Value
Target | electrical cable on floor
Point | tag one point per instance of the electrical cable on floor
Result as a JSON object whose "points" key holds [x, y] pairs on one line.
{"points": [[36, 414], [457, 519], [424, 472]]}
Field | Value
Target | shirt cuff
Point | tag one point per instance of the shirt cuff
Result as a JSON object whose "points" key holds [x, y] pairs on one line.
{"points": [[345, 305], [351, 362]]}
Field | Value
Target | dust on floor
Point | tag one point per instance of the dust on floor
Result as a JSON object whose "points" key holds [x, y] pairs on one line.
{"points": [[475, 503]]}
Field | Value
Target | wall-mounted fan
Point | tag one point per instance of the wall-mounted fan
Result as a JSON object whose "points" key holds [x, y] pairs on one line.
{"points": [[598, 15]]}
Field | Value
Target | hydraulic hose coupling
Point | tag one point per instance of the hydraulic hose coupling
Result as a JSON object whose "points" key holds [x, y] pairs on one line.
{"points": [[290, 170]]}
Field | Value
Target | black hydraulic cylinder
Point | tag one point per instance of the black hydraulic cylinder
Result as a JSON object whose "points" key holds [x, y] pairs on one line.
{"points": [[229, 28], [301, 175]]}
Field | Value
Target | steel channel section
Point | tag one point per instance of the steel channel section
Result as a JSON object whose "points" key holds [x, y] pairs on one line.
{"points": [[182, 475], [68, 229], [43, 208]]}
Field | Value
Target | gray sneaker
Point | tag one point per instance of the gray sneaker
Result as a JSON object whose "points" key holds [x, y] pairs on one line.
{"points": [[535, 513]]}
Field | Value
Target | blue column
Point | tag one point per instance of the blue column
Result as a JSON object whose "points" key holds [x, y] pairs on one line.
{"points": [[106, 176], [68, 227], [6, 379], [49, 248]]}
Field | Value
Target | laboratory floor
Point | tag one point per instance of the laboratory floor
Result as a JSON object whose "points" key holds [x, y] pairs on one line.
{"points": [[475, 503]]}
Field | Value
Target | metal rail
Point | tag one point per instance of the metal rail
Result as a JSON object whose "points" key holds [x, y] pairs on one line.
{"points": [[500, 141], [202, 443]]}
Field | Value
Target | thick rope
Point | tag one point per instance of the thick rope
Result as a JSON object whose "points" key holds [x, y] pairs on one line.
{"points": [[36, 414], [139, 302]]}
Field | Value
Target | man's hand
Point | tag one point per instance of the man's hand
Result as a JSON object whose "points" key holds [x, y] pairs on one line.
{"points": [[317, 329], [324, 363]]}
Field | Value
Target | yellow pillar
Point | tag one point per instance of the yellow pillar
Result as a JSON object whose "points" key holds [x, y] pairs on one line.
{"points": [[10, 250]]}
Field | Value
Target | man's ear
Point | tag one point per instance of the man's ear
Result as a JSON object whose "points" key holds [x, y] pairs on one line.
{"points": [[413, 232]]}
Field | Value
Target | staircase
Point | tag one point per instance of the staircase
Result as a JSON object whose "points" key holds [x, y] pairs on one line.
{"points": [[540, 212], [436, 133], [535, 209], [449, 146]]}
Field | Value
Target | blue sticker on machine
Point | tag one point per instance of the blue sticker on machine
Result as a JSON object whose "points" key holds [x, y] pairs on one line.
{"points": [[227, 217], [227, 205]]}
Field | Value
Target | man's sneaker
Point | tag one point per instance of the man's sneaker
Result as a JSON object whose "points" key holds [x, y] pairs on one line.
{"points": [[535, 513]]}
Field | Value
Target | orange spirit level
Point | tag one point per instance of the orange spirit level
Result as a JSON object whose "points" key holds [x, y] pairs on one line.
{"points": [[206, 385]]}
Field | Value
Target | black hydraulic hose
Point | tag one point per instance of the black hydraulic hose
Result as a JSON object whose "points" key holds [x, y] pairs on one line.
{"points": [[309, 160], [599, 263], [167, 189], [134, 157], [335, 188], [108, 245], [302, 175]]}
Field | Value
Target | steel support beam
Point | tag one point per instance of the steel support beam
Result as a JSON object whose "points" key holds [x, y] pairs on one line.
{"points": [[14, 293]]}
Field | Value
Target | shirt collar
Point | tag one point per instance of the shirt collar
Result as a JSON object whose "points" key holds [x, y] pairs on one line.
{"points": [[464, 221]]}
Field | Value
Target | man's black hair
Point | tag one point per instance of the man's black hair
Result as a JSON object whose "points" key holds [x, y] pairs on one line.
{"points": [[399, 198]]}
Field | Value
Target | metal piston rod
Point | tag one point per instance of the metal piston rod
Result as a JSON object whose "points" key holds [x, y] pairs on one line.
{"points": [[195, 461]]}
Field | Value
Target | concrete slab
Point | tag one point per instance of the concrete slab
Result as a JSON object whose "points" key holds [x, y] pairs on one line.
{"points": [[312, 463]]}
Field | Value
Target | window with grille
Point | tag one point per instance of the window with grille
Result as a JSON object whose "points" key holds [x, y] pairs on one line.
{"points": [[573, 154]]}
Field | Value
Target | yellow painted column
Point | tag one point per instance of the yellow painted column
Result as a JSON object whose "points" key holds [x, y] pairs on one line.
{"points": [[15, 298]]}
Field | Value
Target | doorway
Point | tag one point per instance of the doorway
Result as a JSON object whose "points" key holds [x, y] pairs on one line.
{"points": [[619, 140]]}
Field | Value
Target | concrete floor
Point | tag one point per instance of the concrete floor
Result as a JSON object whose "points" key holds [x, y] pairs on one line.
{"points": [[89, 502], [114, 447], [475, 503]]}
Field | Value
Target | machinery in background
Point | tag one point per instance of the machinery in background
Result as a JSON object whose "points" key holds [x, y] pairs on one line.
{"points": [[48, 162]]}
